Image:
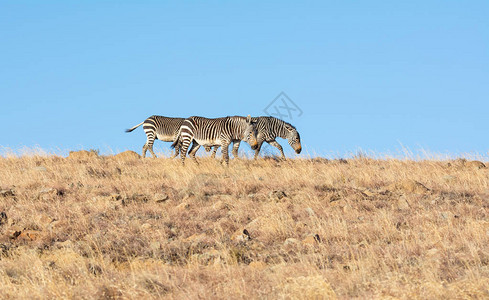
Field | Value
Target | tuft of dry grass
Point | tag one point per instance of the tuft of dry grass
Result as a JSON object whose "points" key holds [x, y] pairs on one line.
{"points": [[90, 226]]}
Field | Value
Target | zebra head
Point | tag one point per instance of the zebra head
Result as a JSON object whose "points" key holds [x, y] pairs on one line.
{"points": [[293, 138], [250, 133]]}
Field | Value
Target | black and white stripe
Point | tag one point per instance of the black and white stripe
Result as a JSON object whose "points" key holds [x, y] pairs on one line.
{"points": [[215, 132], [161, 128], [268, 129]]}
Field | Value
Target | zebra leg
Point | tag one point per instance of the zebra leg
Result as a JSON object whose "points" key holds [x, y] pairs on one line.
{"points": [[177, 150], [213, 155], [257, 150], [150, 148], [260, 139], [193, 150], [183, 150], [150, 139], [225, 155], [277, 145], [145, 148], [235, 148]]}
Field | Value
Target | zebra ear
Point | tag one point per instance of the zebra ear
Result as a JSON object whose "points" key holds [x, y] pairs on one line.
{"points": [[248, 119]]}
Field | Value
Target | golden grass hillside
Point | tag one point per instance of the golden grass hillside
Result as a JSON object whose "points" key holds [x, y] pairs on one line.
{"points": [[124, 227]]}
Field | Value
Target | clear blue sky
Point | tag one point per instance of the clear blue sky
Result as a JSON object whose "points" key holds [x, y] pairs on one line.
{"points": [[374, 75]]}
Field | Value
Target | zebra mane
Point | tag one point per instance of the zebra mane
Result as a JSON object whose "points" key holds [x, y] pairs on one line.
{"points": [[281, 123], [288, 124]]}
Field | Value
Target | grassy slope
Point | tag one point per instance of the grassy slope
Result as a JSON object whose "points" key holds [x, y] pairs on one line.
{"points": [[91, 227]]}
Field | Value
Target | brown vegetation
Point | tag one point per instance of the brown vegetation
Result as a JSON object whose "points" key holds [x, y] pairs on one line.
{"points": [[123, 227]]}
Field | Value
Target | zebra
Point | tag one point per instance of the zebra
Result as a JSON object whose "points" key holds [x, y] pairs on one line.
{"points": [[161, 128], [269, 128], [215, 132]]}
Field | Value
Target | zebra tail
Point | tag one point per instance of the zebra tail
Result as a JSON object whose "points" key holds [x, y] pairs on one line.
{"points": [[131, 129]]}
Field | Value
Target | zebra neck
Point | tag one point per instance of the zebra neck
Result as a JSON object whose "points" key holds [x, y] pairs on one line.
{"points": [[282, 132]]}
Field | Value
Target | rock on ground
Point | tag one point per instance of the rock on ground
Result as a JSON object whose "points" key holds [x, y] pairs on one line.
{"points": [[82, 155], [409, 186], [475, 164], [127, 155]]}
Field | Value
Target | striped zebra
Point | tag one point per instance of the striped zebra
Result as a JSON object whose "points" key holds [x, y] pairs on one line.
{"points": [[215, 132], [161, 128], [268, 129]]}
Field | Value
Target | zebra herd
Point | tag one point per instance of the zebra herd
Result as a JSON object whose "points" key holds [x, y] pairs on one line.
{"points": [[189, 134]]}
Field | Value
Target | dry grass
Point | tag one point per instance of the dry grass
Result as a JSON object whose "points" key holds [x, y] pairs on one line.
{"points": [[106, 227]]}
